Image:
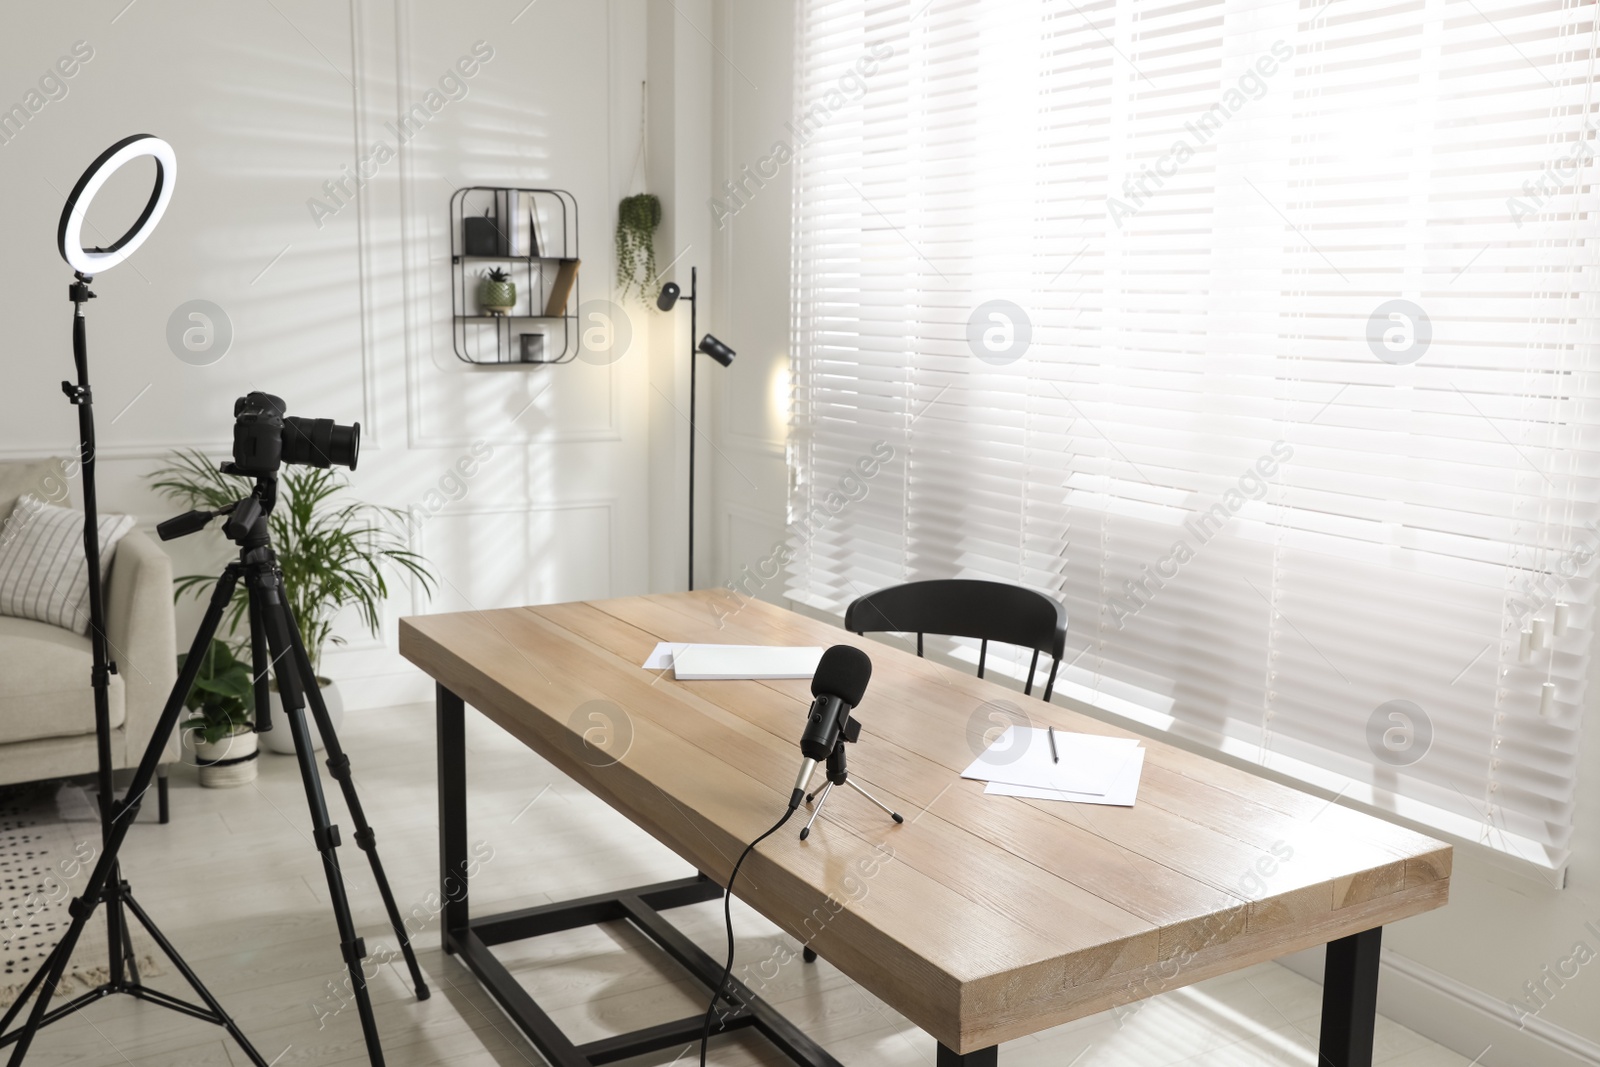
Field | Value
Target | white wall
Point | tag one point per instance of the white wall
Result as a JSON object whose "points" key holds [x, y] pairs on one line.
{"points": [[347, 316], [1452, 972]]}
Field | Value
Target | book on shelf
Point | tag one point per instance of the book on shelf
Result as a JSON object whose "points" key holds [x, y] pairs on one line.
{"points": [[519, 210], [510, 205]]}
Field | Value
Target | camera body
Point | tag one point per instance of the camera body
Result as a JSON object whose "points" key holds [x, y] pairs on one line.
{"points": [[265, 437]]}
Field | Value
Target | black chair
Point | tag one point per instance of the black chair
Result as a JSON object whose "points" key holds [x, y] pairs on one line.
{"points": [[962, 607]]}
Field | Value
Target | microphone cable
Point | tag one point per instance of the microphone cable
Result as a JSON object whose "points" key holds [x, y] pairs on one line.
{"points": [[727, 916]]}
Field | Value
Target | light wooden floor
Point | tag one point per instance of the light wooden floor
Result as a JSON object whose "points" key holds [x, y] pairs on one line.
{"points": [[235, 882]]}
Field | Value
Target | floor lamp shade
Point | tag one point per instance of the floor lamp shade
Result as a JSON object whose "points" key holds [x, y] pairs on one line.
{"points": [[717, 350]]}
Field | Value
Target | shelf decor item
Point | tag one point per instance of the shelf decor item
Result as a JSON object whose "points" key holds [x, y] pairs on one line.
{"points": [[481, 235], [222, 699], [637, 219], [497, 293], [561, 289]]}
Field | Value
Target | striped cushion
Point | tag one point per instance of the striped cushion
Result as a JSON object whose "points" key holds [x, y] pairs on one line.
{"points": [[42, 571]]}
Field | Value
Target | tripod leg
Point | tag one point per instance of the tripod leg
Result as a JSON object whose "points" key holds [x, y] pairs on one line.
{"points": [[194, 982], [895, 815], [366, 836], [130, 960], [121, 817], [116, 927], [822, 798], [259, 665], [26, 995], [274, 614]]}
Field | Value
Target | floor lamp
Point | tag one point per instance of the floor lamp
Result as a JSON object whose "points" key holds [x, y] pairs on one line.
{"points": [[671, 293]]}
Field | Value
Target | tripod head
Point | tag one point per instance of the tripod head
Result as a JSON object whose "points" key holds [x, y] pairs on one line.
{"points": [[247, 517]]}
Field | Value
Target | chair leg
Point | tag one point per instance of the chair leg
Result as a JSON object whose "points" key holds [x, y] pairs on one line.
{"points": [[161, 794], [1050, 686], [808, 955]]}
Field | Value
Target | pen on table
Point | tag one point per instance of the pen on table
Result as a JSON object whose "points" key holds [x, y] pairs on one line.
{"points": [[1054, 755]]}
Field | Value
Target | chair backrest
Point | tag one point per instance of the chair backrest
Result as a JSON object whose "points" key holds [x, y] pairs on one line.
{"points": [[964, 607]]}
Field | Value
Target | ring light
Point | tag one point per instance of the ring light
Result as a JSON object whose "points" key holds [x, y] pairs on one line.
{"points": [[69, 236]]}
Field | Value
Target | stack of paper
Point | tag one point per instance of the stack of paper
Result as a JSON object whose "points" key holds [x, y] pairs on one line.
{"points": [[1092, 769], [692, 662]]}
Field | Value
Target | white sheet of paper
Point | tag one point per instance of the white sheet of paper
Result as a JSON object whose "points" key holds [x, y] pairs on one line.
{"points": [[1123, 790], [701, 663], [661, 658], [1021, 756]]}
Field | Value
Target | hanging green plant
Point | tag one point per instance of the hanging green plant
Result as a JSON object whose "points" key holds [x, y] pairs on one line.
{"points": [[637, 219]]}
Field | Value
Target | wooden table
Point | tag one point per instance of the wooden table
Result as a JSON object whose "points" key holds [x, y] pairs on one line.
{"points": [[981, 919]]}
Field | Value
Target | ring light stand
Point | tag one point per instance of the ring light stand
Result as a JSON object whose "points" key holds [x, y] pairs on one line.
{"points": [[106, 885]]}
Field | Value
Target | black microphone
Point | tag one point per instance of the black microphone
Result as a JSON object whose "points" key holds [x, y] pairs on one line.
{"points": [[837, 687]]}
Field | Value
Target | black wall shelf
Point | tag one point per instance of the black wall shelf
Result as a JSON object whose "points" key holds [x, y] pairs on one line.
{"points": [[488, 339]]}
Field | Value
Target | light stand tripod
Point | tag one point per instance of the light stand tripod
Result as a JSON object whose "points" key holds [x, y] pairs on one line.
{"points": [[839, 774], [122, 963], [272, 630]]}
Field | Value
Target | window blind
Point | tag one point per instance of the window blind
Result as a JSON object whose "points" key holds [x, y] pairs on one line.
{"points": [[1261, 334]]}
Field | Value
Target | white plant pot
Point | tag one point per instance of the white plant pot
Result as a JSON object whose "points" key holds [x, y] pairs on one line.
{"points": [[279, 739], [229, 762]]}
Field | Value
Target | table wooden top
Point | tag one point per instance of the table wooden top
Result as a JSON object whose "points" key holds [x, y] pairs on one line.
{"points": [[982, 918]]}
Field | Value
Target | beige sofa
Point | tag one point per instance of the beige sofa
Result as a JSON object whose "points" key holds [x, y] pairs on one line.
{"points": [[47, 725]]}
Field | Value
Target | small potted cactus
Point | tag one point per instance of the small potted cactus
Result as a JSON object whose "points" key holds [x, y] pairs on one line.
{"points": [[497, 293]]}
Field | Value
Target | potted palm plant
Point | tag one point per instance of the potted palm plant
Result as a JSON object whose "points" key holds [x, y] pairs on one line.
{"points": [[333, 556], [224, 733]]}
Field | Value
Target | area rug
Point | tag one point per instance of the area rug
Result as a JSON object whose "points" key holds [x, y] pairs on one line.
{"points": [[49, 841]]}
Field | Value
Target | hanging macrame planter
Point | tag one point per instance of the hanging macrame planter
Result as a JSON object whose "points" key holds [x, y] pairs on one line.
{"points": [[638, 216], [637, 219]]}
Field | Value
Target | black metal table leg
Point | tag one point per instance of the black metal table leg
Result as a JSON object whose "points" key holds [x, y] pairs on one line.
{"points": [[452, 742], [986, 1057], [1350, 1000], [472, 940]]}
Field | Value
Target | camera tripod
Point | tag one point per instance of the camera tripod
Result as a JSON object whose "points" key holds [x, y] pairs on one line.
{"points": [[273, 630]]}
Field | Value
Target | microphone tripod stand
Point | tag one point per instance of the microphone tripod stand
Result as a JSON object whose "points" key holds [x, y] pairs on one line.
{"points": [[272, 629], [839, 774]]}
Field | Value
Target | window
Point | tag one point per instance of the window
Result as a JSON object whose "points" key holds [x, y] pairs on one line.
{"points": [[1262, 334]]}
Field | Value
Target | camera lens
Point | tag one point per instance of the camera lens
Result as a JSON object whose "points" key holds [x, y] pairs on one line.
{"points": [[320, 442]]}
